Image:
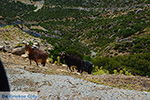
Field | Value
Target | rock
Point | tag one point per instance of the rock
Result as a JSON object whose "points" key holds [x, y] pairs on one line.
{"points": [[6, 43], [18, 51], [64, 65], [36, 45], [1, 48], [139, 11], [7, 48], [24, 55]]}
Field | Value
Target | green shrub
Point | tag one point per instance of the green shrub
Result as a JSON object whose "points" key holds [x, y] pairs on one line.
{"points": [[136, 64], [58, 60], [19, 45], [51, 60], [55, 62], [121, 72], [97, 71], [115, 71], [127, 73]]}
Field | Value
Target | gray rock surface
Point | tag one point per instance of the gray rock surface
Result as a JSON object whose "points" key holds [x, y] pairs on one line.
{"points": [[59, 87], [1, 48], [8, 48], [18, 51]]}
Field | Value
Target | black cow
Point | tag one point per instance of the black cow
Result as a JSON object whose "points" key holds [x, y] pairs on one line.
{"points": [[4, 85], [87, 66], [72, 60]]}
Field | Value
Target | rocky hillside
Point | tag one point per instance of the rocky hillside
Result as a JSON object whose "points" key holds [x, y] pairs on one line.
{"points": [[12, 38], [113, 34], [92, 25], [53, 82], [56, 82]]}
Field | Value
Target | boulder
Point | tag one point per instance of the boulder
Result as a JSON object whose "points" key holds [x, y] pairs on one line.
{"points": [[1, 48], [139, 11], [7, 48], [24, 55], [18, 51]]}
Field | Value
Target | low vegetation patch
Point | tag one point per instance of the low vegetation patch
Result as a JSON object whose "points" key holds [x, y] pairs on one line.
{"points": [[136, 64]]}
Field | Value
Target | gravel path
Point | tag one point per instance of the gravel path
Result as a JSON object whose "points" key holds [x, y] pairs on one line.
{"points": [[58, 87]]}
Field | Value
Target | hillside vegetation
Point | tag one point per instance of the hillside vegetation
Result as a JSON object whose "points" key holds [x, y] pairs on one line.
{"points": [[14, 61], [116, 30]]}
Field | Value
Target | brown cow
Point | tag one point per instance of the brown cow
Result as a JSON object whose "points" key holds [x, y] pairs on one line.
{"points": [[36, 54]]}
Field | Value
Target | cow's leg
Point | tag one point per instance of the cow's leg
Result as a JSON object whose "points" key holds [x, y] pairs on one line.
{"points": [[78, 68], [43, 62], [36, 62], [69, 67], [72, 68], [30, 61], [81, 71], [90, 70]]}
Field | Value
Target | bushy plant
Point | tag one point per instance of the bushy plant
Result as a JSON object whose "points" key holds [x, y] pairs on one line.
{"points": [[137, 64], [58, 60], [55, 62], [99, 71], [121, 72], [51, 60], [115, 71]]}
